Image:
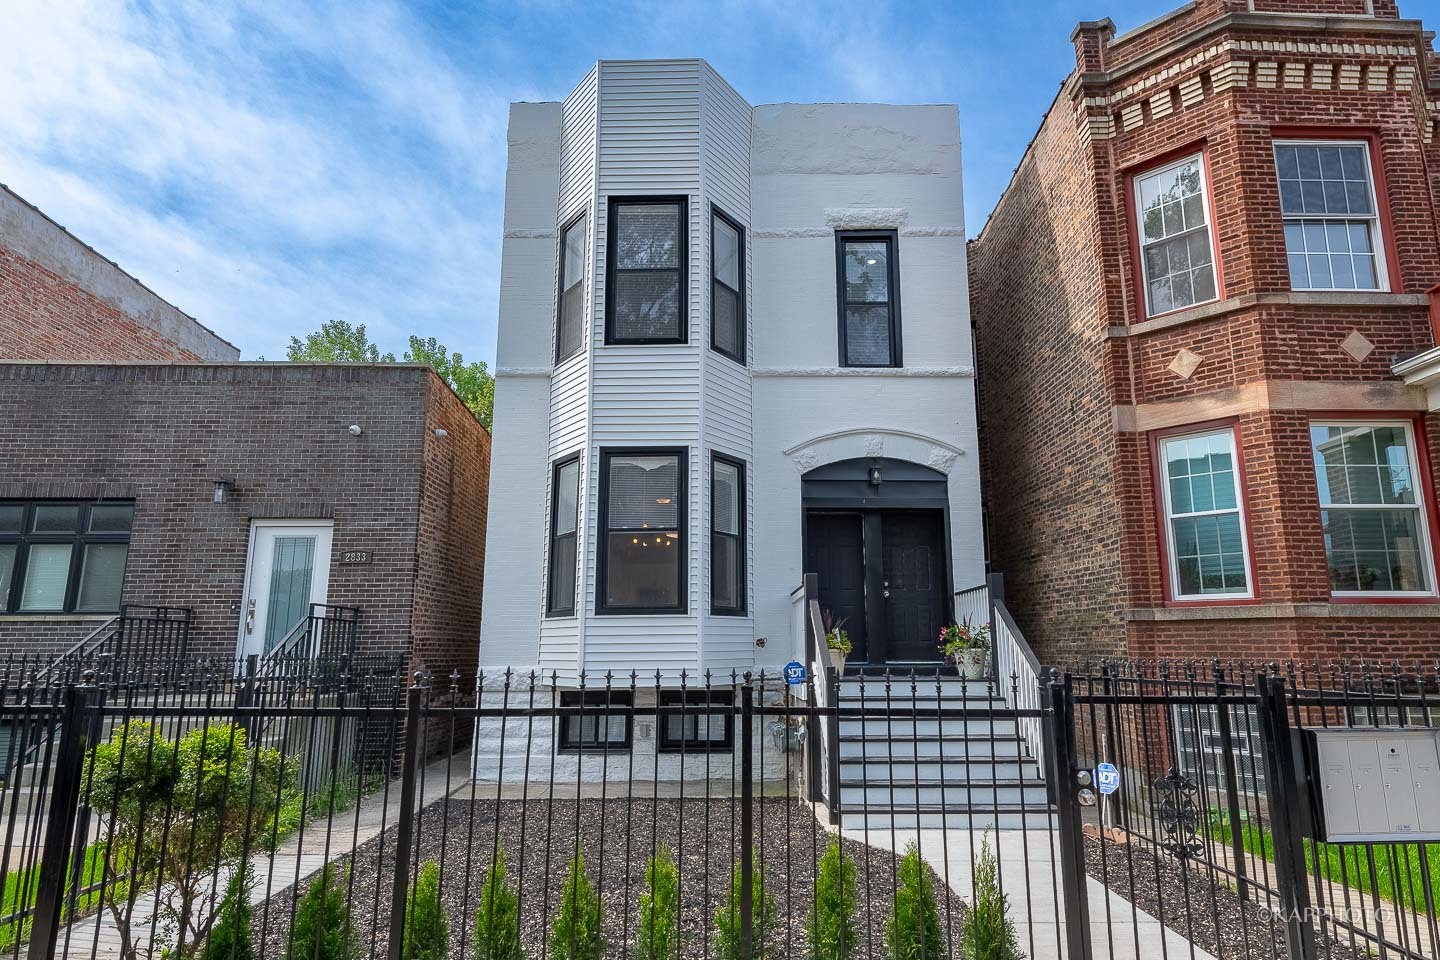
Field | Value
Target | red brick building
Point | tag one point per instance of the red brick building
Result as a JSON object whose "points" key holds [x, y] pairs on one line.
{"points": [[1198, 309]]}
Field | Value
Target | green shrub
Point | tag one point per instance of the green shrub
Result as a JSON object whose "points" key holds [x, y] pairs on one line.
{"points": [[832, 925], [913, 931], [322, 928], [729, 939], [230, 934], [576, 934], [427, 935], [988, 933], [659, 929], [497, 919]]}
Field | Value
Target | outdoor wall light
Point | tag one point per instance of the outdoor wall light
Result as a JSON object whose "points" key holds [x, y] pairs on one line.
{"points": [[441, 432], [1084, 778], [356, 430], [874, 476], [1086, 796], [221, 486]]}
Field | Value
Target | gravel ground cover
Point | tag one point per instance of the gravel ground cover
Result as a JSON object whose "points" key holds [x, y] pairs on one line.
{"points": [[1202, 908], [459, 834]]}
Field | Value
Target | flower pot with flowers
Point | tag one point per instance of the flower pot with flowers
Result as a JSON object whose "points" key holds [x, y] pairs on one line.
{"points": [[837, 641], [967, 647]]}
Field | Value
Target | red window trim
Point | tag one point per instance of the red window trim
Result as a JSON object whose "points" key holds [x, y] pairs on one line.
{"points": [[1162, 529], [1132, 220], [1416, 420], [1371, 136]]}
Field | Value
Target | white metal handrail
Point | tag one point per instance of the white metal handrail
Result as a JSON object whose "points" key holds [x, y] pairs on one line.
{"points": [[1018, 672]]}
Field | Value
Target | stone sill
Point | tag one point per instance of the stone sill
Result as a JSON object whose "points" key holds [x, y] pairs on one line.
{"points": [[56, 617], [1285, 611], [1221, 308]]}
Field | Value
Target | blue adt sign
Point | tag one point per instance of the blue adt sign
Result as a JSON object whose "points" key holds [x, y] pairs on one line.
{"points": [[794, 672], [1107, 778]]}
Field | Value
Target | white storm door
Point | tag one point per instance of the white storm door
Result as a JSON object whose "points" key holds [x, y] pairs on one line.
{"points": [[288, 569]]}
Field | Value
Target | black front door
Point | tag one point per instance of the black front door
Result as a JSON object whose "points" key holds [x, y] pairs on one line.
{"points": [[883, 573], [913, 572], [835, 551]]}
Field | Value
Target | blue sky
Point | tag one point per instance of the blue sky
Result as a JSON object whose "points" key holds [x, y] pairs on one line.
{"points": [[267, 167]]}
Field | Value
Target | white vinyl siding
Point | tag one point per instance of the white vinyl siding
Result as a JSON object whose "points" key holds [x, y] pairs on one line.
{"points": [[1332, 221], [1204, 517], [1177, 254]]}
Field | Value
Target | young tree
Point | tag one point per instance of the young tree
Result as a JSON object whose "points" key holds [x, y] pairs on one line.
{"points": [[322, 928], [471, 382], [230, 936], [913, 932], [174, 812], [497, 917], [576, 933], [427, 934], [832, 924], [336, 342], [729, 935], [658, 934], [988, 932]]}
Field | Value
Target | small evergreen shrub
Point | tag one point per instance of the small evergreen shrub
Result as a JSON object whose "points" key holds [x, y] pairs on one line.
{"points": [[988, 933], [729, 942], [427, 935], [659, 929], [832, 924], [230, 935], [497, 918], [322, 928], [913, 931], [576, 934]]}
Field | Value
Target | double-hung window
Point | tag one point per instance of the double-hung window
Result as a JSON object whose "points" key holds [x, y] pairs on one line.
{"points": [[564, 514], [727, 286], [642, 519], [869, 295], [1204, 517], [64, 556], [727, 537], [1332, 228], [600, 720], [570, 324], [1372, 508], [1177, 255], [697, 720], [645, 292]]}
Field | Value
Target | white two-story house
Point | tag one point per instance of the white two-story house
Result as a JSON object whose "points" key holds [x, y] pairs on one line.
{"points": [[734, 348]]}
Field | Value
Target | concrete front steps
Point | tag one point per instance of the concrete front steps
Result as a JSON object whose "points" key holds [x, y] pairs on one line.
{"points": [[967, 768]]}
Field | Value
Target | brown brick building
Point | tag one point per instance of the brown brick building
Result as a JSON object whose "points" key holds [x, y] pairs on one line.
{"points": [[1194, 306], [133, 473]]}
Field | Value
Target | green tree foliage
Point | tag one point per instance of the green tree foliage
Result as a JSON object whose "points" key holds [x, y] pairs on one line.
{"points": [[832, 924], [336, 342], [497, 917], [576, 933], [322, 928], [913, 932], [659, 930], [230, 936], [471, 382], [176, 811], [427, 934], [988, 933], [729, 938]]}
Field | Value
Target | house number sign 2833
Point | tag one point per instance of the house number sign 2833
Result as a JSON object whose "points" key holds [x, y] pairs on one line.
{"points": [[354, 556]]}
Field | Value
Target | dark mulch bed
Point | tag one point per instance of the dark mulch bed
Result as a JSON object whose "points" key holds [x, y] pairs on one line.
{"points": [[459, 835], [1196, 903]]}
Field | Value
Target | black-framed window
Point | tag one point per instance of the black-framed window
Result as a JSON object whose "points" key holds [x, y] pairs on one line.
{"points": [[605, 723], [564, 517], [570, 304], [727, 536], [642, 521], [63, 556], [727, 286], [646, 255], [703, 725], [868, 272]]}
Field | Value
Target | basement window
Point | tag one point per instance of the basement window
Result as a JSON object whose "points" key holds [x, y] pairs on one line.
{"points": [[1177, 255], [701, 721], [1332, 227], [603, 724]]}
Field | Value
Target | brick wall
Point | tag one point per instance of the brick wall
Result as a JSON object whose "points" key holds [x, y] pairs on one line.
{"points": [[1055, 265], [161, 433]]}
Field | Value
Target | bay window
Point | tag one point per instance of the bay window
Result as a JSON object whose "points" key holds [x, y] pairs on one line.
{"points": [[642, 521], [1204, 517], [564, 513], [1371, 508], [570, 312], [1176, 250], [727, 287], [727, 537], [1332, 227], [645, 292]]}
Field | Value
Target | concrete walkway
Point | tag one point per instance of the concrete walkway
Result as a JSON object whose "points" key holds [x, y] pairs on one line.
{"points": [[1039, 916], [294, 862]]}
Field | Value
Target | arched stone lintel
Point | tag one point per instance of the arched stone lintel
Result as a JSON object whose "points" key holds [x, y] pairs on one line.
{"points": [[874, 442]]}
